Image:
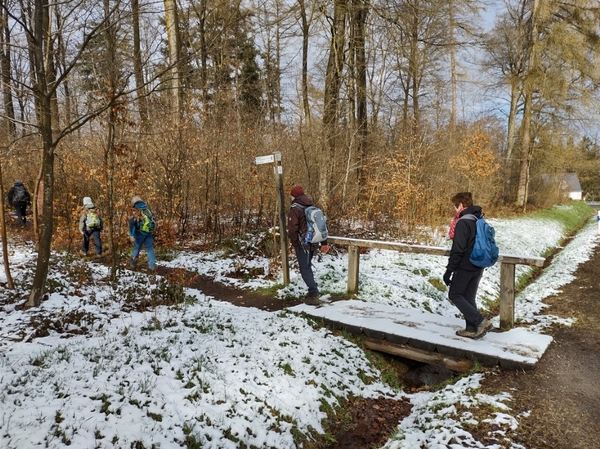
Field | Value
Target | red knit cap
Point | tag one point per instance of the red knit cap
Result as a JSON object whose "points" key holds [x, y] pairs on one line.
{"points": [[297, 191]]}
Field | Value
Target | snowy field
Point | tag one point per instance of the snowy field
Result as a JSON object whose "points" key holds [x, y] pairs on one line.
{"points": [[209, 374]]}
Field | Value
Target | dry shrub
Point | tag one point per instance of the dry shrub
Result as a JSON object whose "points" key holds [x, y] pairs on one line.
{"points": [[476, 163]]}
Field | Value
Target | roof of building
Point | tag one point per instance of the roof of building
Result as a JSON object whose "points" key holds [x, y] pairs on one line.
{"points": [[570, 181]]}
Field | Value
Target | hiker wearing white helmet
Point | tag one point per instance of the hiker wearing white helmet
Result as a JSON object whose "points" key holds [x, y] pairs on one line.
{"points": [[90, 225]]}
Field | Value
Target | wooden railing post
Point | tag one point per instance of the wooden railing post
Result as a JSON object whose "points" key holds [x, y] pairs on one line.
{"points": [[353, 264], [507, 296]]}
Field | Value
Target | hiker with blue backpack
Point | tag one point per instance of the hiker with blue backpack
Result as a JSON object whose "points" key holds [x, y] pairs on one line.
{"points": [[90, 225], [467, 262], [306, 235], [141, 232], [19, 197]]}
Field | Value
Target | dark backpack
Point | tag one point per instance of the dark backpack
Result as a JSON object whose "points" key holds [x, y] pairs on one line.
{"points": [[316, 224], [485, 251], [147, 223], [19, 195]]}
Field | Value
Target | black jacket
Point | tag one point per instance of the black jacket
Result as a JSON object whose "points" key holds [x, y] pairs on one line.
{"points": [[11, 194], [463, 242]]}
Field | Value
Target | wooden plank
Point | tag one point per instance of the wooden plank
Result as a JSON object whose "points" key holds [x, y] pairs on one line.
{"points": [[484, 359], [434, 250], [457, 353], [396, 339], [514, 365], [533, 261], [372, 333], [432, 358], [423, 345]]}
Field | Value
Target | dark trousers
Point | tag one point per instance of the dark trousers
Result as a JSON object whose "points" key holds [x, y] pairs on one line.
{"points": [[463, 292], [21, 210], [95, 234], [304, 261]]}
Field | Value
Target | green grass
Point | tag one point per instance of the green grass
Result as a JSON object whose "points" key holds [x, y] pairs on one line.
{"points": [[573, 216]]}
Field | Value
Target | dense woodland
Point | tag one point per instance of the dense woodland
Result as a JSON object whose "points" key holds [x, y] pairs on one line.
{"points": [[380, 109]]}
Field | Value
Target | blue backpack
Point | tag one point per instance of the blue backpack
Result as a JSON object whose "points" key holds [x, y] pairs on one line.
{"points": [[485, 251]]}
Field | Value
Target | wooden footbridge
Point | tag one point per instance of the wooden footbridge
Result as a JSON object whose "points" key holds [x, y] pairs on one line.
{"points": [[428, 337]]}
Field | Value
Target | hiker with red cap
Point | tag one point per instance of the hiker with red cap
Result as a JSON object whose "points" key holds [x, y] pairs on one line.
{"points": [[297, 228]]}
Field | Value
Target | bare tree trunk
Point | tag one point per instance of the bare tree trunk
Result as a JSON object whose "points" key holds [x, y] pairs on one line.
{"points": [[5, 69], [38, 209], [359, 19], [174, 41], [453, 75], [413, 68], [333, 82], [61, 57], [138, 66], [109, 151], [203, 52], [9, 280], [526, 142], [305, 34], [510, 137], [43, 105]]}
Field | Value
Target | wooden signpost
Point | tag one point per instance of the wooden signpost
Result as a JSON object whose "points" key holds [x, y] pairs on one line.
{"points": [[275, 159]]}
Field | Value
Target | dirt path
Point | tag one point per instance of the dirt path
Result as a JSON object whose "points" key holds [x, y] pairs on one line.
{"points": [[561, 396]]}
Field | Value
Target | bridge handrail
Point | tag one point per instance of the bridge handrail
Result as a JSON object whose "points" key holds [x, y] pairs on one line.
{"points": [[534, 261], [507, 268]]}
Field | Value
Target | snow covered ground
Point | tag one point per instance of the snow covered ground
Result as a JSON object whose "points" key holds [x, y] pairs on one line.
{"points": [[213, 375]]}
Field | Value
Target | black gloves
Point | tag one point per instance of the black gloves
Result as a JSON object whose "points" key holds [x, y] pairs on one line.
{"points": [[447, 276]]}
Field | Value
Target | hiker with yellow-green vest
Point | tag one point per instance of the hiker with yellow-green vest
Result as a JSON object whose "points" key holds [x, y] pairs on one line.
{"points": [[141, 232], [90, 225]]}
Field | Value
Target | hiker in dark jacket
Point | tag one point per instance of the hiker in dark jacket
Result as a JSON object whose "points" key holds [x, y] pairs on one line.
{"points": [[140, 237], [296, 228], [461, 275], [19, 197]]}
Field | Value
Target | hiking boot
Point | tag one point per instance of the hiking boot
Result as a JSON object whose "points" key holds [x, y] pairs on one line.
{"points": [[465, 333], [152, 270], [312, 300], [82, 253], [483, 328], [132, 263]]}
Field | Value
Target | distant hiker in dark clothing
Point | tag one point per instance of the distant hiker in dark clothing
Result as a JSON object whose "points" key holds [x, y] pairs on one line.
{"points": [[461, 275], [90, 225], [297, 228], [19, 197], [141, 230]]}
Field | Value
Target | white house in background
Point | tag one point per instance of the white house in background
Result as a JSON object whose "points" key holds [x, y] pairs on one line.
{"points": [[566, 182]]}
